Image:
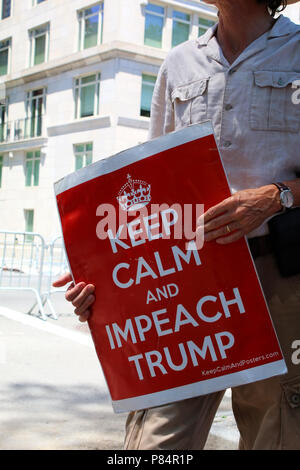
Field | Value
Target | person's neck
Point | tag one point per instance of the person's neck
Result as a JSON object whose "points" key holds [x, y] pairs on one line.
{"points": [[240, 26]]}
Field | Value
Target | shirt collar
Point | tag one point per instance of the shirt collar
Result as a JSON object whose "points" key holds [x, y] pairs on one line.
{"points": [[282, 27], [206, 37]]}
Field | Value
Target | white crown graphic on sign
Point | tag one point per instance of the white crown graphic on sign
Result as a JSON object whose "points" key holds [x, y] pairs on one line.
{"points": [[134, 194]]}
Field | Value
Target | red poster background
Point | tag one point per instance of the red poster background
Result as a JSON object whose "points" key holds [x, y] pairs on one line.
{"points": [[191, 173]]}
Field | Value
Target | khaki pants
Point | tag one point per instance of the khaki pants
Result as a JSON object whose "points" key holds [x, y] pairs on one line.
{"points": [[267, 412]]}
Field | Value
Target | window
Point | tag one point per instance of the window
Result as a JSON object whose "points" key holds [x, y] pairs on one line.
{"points": [[148, 82], [32, 125], [83, 155], [3, 123], [4, 56], [1, 166], [29, 216], [204, 25], [181, 27], [39, 40], [154, 22], [87, 96], [5, 9], [32, 169], [90, 26]]}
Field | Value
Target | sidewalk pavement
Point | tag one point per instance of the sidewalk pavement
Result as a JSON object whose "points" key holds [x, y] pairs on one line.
{"points": [[53, 394]]}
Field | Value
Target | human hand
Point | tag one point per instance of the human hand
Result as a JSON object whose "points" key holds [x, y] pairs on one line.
{"points": [[81, 295], [239, 214]]}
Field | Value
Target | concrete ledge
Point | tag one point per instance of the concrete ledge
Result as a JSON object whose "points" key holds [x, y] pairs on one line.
{"points": [[97, 54], [81, 125], [133, 122], [36, 142]]}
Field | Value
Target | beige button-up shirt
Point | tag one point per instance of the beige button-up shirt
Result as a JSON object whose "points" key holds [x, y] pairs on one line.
{"points": [[253, 103]]}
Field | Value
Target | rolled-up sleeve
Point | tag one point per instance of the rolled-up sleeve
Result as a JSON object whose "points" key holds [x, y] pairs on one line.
{"points": [[162, 115]]}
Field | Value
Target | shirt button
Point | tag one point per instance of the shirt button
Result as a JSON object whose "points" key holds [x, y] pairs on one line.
{"points": [[231, 71], [227, 143], [228, 107]]}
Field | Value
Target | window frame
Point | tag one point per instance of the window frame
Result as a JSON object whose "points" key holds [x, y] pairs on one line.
{"points": [[204, 26], [160, 15], [29, 100], [33, 181], [28, 238], [81, 24], [1, 10], [179, 20], [32, 39], [4, 122], [83, 154], [77, 94], [8, 55], [144, 82]]}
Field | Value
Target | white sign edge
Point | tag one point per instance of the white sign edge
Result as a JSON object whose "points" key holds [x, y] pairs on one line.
{"points": [[203, 387]]}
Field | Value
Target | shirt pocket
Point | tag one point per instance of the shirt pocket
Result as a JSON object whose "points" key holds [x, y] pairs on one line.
{"points": [[190, 103], [272, 104]]}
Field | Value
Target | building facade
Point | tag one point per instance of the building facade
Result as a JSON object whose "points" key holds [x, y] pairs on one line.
{"points": [[76, 81]]}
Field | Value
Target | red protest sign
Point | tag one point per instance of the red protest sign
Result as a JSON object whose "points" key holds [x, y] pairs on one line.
{"points": [[172, 319]]}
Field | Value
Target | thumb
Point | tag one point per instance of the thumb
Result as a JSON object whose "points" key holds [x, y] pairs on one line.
{"points": [[63, 280]]}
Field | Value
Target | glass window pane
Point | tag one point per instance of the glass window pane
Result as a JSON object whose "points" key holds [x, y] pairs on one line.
{"points": [[91, 10], [89, 79], [91, 32], [6, 8], [28, 173], [147, 92], [78, 162], [89, 147], [4, 62], [155, 8], [38, 92], [4, 44], [29, 221], [153, 31], [39, 51], [204, 25], [36, 170], [180, 33], [79, 148], [89, 158], [149, 78], [87, 97], [40, 30], [181, 16], [205, 22]]}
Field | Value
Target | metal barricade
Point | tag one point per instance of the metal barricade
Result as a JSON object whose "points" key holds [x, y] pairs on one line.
{"points": [[55, 265], [21, 264]]}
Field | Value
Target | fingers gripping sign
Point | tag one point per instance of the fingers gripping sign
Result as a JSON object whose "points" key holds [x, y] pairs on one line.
{"points": [[80, 295], [239, 214]]}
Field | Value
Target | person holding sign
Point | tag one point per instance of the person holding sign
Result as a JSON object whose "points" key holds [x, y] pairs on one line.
{"points": [[243, 75]]}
